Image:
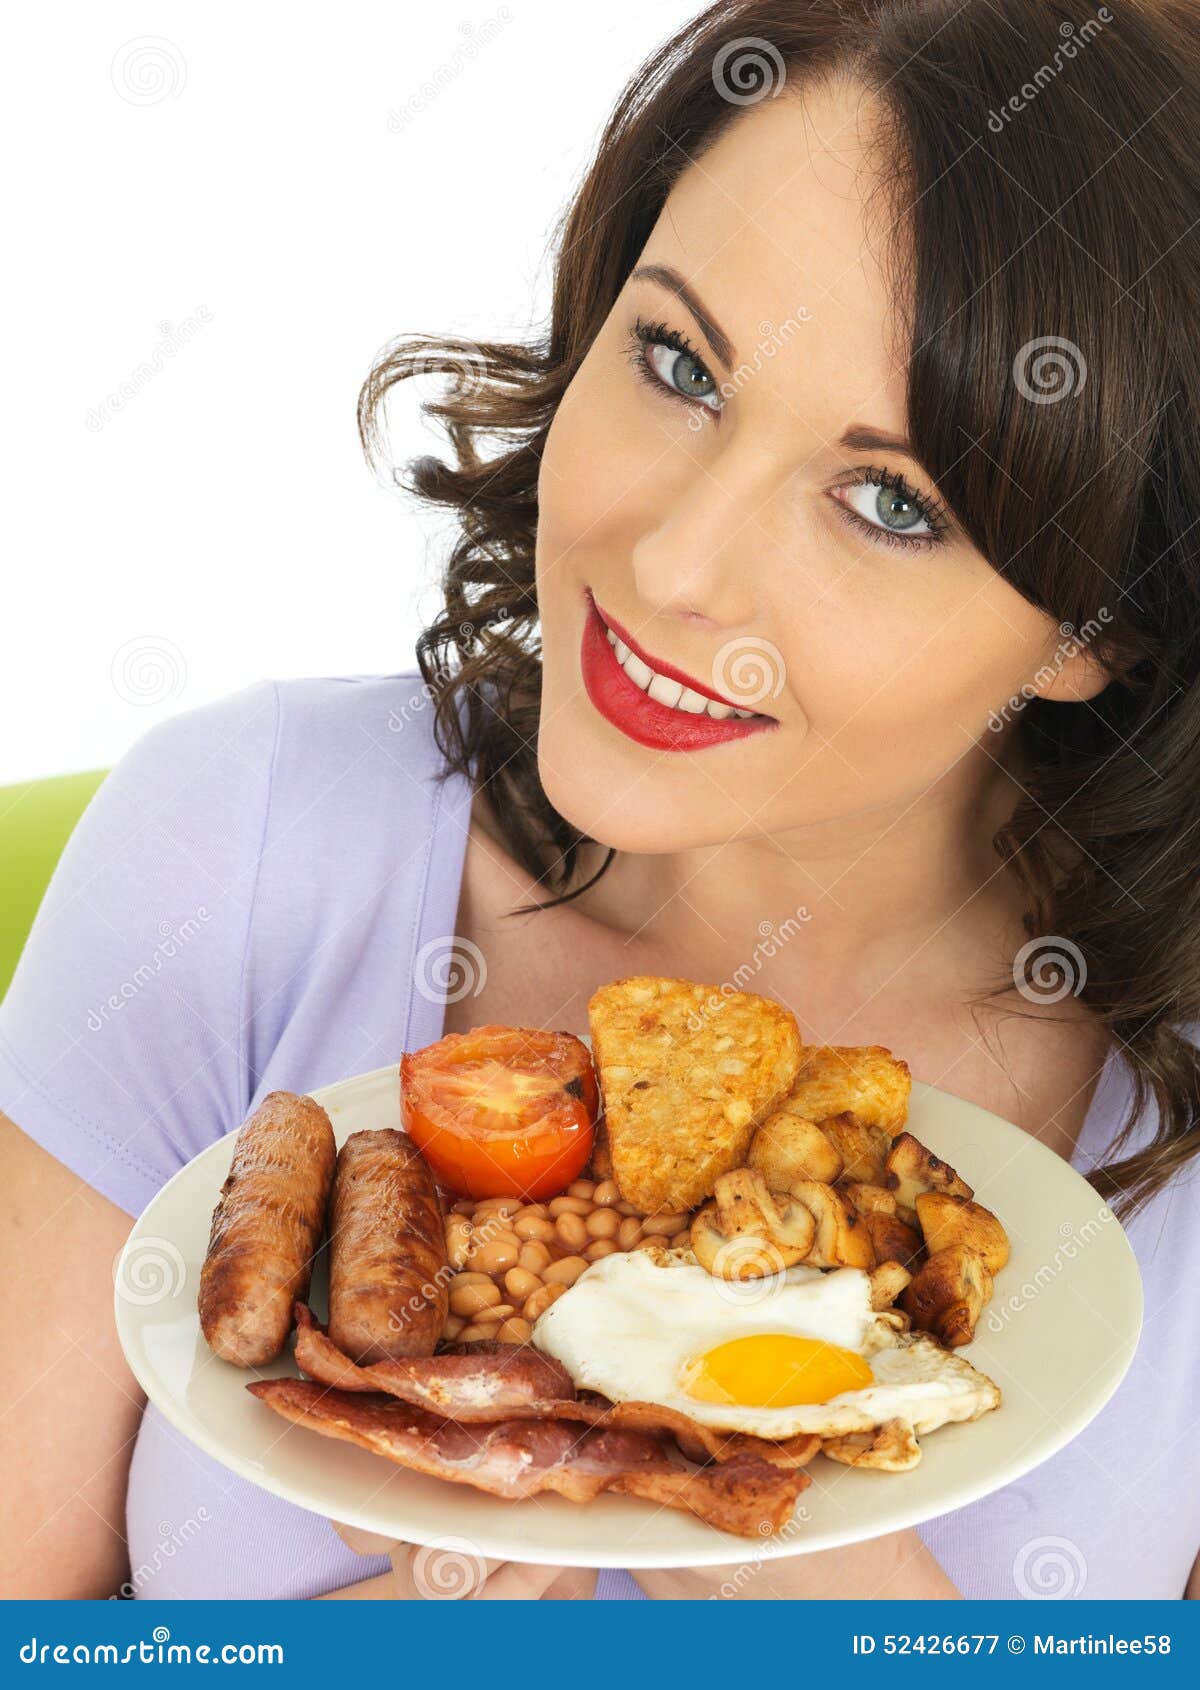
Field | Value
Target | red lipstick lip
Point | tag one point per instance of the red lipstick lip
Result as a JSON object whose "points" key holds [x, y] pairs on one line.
{"points": [[662, 667], [641, 718]]}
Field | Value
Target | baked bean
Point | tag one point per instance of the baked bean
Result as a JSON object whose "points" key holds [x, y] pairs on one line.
{"points": [[581, 1188], [568, 1206], [599, 1248], [515, 1331], [473, 1299], [681, 1239], [606, 1194], [566, 1271], [454, 1325], [651, 1243], [502, 1311], [572, 1229], [541, 1301], [629, 1231], [624, 1208], [603, 1223], [479, 1329], [518, 1282], [534, 1257], [458, 1240], [530, 1227], [468, 1278], [662, 1226], [498, 1256], [506, 1206], [538, 1209]]}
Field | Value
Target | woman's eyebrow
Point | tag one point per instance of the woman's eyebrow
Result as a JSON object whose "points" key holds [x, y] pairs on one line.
{"points": [[668, 277], [861, 437]]}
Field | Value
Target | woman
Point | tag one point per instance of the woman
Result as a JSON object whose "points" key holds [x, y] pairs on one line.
{"points": [[868, 406]]}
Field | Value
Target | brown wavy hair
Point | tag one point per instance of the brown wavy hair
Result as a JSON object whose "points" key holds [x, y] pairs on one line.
{"points": [[1043, 163]]}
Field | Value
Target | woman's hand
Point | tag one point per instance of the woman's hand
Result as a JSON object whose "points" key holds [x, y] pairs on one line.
{"points": [[451, 1568], [897, 1566]]}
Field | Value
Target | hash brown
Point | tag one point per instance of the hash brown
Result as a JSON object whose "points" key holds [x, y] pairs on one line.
{"points": [[687, 1072]]}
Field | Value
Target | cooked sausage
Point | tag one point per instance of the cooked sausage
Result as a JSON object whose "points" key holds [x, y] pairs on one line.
{"points": [[388, 1273], [266, 1228]]}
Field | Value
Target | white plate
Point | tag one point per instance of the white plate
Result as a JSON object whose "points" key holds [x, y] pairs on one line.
{"points": [[1057, 1338]]}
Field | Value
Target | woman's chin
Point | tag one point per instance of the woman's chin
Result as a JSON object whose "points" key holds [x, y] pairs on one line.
{"points": [[604, 797]]}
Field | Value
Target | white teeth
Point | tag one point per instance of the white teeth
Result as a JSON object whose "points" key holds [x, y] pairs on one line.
{"points": [[664, 691], [640, 673]]}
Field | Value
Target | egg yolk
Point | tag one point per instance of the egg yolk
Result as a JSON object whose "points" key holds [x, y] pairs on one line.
{"points": [[774, 1370]]}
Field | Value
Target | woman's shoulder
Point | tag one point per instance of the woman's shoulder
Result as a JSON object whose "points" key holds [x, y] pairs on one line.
{"points": [[248, 885]]}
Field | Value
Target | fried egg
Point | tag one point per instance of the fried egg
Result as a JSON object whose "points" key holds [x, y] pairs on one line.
{"points": [[801, 1353]]}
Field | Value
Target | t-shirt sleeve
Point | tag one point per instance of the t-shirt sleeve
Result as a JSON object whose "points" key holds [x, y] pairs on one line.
{"points": [[121, 1034]]}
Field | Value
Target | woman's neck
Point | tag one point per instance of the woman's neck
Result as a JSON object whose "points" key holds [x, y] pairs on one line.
{"points": [[917, 889]]}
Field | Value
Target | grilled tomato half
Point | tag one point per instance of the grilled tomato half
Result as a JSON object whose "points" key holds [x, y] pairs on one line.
{"points": [[501, 1111]]}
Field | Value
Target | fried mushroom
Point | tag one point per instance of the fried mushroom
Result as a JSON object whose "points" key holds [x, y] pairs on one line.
{"points": [[746, 1232], [842, 1239], [948, 1221], [787, 1147], [947, 1295], [912, 1169], [893, 1240]]}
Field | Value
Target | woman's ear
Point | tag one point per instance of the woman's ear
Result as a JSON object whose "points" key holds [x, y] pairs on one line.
{"points": [[1073, 674]]}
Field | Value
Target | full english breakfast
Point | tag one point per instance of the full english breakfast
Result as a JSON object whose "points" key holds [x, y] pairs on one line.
{"points": [[677, 1267]]}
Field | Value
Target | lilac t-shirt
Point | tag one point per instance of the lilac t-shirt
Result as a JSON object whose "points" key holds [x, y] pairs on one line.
{"points": [[241, 909]]}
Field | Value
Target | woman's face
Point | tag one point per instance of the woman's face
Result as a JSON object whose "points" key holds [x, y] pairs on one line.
{"points": [[712, 511]]}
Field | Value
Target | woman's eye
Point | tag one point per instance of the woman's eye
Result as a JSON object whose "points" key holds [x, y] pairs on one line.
{"points": [[682, 373], [894, 509]]}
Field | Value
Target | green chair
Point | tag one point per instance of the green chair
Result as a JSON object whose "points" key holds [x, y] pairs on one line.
{"points": [[36, 820]]}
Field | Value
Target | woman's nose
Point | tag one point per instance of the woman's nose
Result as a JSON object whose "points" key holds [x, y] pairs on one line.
{"points": [[707, 555]]}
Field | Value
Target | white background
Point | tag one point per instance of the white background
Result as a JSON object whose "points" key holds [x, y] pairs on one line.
{"points": [[301, 183]]}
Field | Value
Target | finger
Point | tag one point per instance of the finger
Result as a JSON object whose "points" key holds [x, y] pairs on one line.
{"points": [[517, 1582], [364, 1542], [573, 1584]]}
